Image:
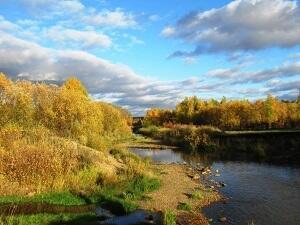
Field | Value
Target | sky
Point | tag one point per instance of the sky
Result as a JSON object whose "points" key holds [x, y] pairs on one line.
{"points": [[142, 54]]}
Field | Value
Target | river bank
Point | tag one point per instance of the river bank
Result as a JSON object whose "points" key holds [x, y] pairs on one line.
{"points": [[173, 190], [181, 193], [264, 145], [254, 193]]}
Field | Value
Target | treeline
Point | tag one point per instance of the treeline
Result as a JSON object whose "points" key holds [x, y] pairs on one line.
{"points": [[66, 110], [270, 113]]}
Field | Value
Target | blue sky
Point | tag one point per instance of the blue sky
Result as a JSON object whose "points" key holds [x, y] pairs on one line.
{"points": [[142, 54]]}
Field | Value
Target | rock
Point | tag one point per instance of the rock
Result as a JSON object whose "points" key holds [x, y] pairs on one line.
{"points": [[103, 213], [196, 177], [210, 220], [222, 184], [184, 162], [223, 219], [217, 171], [149, 217], [212, 187], [217, 174]]}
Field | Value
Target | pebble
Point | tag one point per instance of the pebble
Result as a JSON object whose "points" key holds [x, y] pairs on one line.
{"points": [[222, 184], [103, 213], [196, 177], [223, 219]]}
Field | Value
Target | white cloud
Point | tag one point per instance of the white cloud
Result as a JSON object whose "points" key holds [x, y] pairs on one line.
{"points": [[49, 8], [285, 86], [7, 25], [168, 31], [189, 60], [237, 76], [154, 18], [102, 78], [116, 18], [87, 39], [240, 26]]}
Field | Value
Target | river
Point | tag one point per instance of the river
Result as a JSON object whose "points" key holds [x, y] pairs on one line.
{"points": [[258, 193]]}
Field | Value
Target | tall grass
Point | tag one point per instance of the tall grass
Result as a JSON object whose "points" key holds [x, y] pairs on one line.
{"points": [[57, 139], [169, 218]]}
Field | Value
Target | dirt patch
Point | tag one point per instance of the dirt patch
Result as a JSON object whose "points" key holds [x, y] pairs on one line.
{"points": [[177, 185]]}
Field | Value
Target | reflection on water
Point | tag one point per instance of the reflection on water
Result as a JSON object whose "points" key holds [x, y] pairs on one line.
{"points": [[263, 193]]}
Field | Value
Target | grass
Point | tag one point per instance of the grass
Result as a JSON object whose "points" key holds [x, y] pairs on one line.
{"points": [[198, 194], [138, 141], [50, 219], [204, 196], [169, 218], [184, 206], [121, 199], [63, 198]]}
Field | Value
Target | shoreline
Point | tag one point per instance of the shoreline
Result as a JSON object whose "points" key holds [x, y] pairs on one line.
{"points": [[182, 192]]}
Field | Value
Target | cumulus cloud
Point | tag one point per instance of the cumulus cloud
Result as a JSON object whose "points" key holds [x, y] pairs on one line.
{"points": [[104, 79], [87, 39], [237, 76], [74, 10], [240, 25], [286, 86], [48, 8], [7, 25], [114, 18]]}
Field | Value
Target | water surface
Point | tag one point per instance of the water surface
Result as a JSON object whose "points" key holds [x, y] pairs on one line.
{"points": [[262, 193]]}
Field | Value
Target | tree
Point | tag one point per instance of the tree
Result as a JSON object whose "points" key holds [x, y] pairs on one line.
{"points": [[73, 83]]}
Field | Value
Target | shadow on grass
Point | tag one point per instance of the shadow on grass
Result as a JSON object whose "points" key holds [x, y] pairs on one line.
{"points": [[80, 220]]}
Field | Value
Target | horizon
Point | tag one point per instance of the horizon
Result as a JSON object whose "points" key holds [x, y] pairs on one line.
{"points": [[141, 55]]}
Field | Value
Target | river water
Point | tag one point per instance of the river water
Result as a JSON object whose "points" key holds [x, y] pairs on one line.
{"points": [[258, 193]]}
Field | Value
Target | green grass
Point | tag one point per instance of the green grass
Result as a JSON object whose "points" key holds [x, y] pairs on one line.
{"points": [[63, 198], [169, 218], [121, 199], [198, 194], [49, 219], [184, 206]]}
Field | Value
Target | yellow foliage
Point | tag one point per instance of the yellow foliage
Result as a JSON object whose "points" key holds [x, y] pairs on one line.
{"points": [[46, 132]]}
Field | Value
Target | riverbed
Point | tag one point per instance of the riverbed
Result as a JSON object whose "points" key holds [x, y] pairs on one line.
{"points": [[257, 192]]}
